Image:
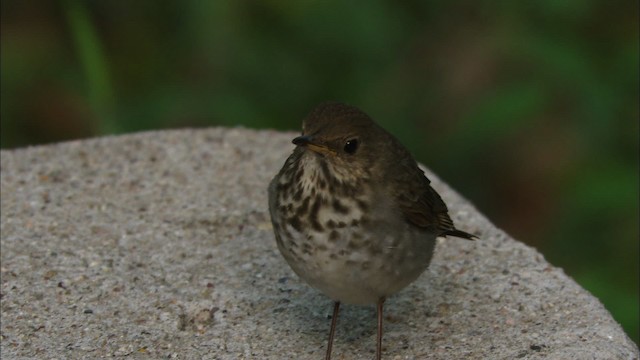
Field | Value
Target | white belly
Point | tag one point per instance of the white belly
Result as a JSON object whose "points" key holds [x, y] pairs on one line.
{"points": [[359, 270]]}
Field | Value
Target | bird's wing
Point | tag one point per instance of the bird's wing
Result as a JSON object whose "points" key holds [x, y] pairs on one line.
{"points": [[424, 207]]}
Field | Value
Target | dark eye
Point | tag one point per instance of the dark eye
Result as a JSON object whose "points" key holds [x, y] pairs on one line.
{"points": [[351, 146]]}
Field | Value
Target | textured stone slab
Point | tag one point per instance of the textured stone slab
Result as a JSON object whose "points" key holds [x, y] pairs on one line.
{"points": [[158, 245]]}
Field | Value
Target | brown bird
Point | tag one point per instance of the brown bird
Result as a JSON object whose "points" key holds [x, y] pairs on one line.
{"points": [[352, 213]]}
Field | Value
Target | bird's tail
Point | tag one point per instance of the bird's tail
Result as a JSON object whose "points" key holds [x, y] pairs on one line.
{"points": [[460, 234]]}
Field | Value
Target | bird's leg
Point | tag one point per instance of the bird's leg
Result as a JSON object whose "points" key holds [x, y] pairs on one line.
{"points": [[379, 340], [334, 320]]}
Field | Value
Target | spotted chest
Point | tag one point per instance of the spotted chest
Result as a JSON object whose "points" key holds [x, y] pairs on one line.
{"points": [[340, 236], [307, 202]]}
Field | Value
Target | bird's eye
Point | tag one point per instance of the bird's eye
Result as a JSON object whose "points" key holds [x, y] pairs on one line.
{"points": [[351, 146]]}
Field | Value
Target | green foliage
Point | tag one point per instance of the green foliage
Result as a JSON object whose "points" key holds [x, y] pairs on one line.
{"points": [[530, 109], [93, 62]]}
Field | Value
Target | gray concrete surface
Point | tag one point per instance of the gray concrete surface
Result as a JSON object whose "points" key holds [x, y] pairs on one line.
{"points": [[158, 245]]}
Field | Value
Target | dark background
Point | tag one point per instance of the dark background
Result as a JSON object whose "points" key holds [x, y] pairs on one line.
{"points": [[527, 108]]}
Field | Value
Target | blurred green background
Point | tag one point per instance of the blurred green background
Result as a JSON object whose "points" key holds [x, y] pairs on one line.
{"points": [[528, 108]]}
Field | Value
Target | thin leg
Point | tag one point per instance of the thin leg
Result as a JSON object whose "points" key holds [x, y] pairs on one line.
{"points": [[379, 340], [334, 320]]}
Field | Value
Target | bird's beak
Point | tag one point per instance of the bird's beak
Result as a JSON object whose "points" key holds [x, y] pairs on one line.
{"points": [[308, 142]]}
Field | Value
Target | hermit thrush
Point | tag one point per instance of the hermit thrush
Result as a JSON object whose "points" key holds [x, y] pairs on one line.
{"points": [[352, 213]]}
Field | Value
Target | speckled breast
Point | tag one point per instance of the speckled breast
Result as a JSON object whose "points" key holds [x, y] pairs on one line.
{"points": [[344, 238]]}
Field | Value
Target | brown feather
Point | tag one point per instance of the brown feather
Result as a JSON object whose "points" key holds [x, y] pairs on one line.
{"points": [[424, 209]]}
